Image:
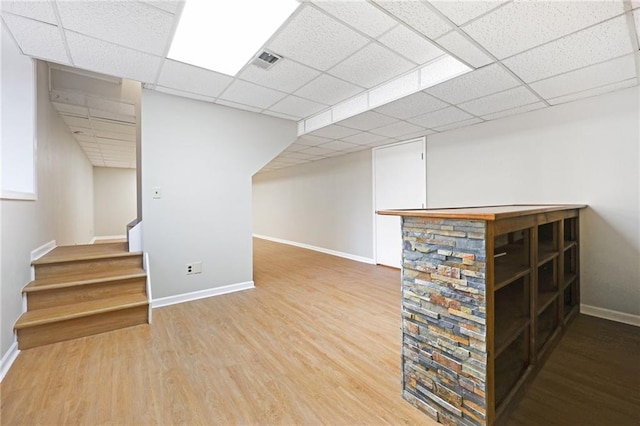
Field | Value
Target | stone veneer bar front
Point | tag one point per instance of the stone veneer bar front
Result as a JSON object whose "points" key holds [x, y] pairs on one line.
{"points": [[447, 303]]}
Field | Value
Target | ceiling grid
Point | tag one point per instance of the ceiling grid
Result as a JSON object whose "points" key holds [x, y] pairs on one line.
{"points": [[355, 73]]}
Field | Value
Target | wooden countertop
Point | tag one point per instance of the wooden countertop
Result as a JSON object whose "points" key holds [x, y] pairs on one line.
{"points": [[484, 212]]}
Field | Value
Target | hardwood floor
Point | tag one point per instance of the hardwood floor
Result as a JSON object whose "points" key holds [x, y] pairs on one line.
{"points": [[317, 342], [591, 378]]}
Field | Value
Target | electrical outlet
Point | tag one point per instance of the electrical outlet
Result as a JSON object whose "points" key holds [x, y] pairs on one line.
{"points": [[194, 268]]}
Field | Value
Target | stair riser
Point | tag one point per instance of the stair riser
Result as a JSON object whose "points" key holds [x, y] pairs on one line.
{"points": [[45, 334], [70, 295], [69, 270]]}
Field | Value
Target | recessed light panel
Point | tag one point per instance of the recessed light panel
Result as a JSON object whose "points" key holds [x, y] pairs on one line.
{"points": [[223, 36]]}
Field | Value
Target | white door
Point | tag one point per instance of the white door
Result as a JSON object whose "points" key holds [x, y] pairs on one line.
{"points": [[400, 182]]}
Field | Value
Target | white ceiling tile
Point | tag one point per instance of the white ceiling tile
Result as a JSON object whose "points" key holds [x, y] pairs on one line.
{"points": [[334, 132], [587, 78], [297, 107], [596, 44], [286, 75], [82, 132], [328, 90], [337, 153], [416, 135], [395, 89], [398, 129], [252, 94], [440, 118], [114, 136], [69, 109], [521, 25], [514, 111], [100, 56], [114, 106], [441, 70], [338, 145], [314, 150], [462, 11], [364, 138], [317, 121], [371, 66], [358, 148], [184, 94], [635, 4], [111, 126], [360, 15], [37, 39], [311, 140], [461, 47], [350, 107], [96, 113], [367, 121], [295, 147], [76, 121], [411, 106], [171, 6], [412, 46], [298, 156], [417, 15], [127, 23], [85, 138], [478, 83], [317, 40], [508, 99], [181, 76], [458, 124], [594, 92], [387, 141], [38, 10]]}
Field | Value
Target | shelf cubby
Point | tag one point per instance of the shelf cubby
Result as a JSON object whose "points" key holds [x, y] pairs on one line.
{"points": [[512, 312], [547, 323], [510, 366]]}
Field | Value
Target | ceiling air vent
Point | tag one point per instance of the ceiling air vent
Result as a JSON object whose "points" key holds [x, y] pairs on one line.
{"points": [[266, 60]]}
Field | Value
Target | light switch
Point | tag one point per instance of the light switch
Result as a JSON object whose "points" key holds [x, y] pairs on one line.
{"points": [[157, 194]]}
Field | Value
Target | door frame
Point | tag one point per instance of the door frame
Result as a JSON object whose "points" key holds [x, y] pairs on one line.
{"points": [[373, 180]]}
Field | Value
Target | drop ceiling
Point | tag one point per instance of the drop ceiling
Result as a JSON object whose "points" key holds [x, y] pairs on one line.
{"points": [[355, 74]]}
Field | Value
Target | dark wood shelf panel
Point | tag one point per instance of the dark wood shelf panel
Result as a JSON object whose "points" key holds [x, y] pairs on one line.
{"points": [[546, 252], [545, 299], [569, 244], [568, 279], [571, 313], [509, 267], [511, 369], [505, 335]]}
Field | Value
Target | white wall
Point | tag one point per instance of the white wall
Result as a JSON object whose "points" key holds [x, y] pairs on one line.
{"points": [[202, 156], [325, 204], [581, 152], [62, 212], [114, 200]]}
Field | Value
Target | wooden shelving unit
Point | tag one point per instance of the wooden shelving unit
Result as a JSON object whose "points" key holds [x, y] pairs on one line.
{"points": [[487, 293], [535, 295]]}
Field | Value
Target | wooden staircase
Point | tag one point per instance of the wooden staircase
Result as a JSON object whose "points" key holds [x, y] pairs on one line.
{"points": [[83, 290]]}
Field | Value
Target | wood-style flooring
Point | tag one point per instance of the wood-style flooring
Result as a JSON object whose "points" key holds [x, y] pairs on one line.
{"points": [[316, 342]]}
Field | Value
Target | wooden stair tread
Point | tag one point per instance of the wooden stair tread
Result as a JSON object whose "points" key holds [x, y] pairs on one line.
{"points": [[78, 310], [83, 279], [64, 254]]}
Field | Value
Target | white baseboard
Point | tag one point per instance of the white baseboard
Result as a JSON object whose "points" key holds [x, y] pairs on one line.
{"points": [[594, 311], [319, 249], [42, 250], [8, 359], [108, 237], [210, 292]]}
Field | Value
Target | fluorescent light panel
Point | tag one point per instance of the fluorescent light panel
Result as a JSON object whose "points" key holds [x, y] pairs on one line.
{"points": [[223, 35]]}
